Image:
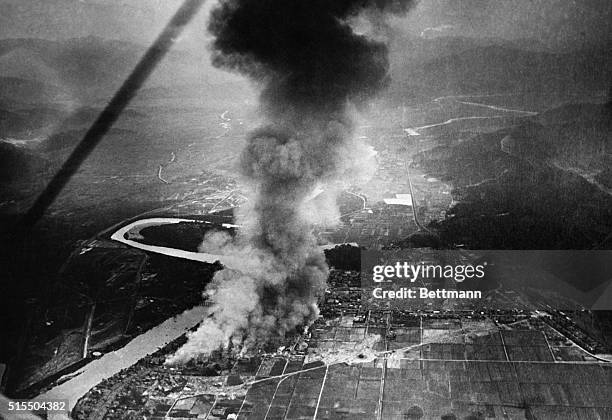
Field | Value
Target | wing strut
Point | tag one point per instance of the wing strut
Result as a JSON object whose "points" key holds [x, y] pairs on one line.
{"points": [[113, 110]]}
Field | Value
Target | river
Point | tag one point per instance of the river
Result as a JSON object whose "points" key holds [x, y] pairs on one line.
{"points": [[111, 363]]}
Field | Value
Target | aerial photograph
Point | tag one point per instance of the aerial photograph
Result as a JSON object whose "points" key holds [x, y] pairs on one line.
{"points": [[306, 209]]}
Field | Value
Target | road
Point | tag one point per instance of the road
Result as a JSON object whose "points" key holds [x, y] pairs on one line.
{"points": [[454, 120], [601, 359], [498, 108], [414, 201], [364, 207], [455, 98], [163, 165], [159, 175], [459, 99]]}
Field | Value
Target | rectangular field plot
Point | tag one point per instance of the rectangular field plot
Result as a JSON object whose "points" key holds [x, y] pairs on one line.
{"points": [[433, 335], [484, 352], [509, 393], [442, 324], [568, 354], [401, 319], [323, 345], [524, 338], [431, 389], [278, 367], [529, 353], [404, 337], [348, 410], [258, 400], [490, 338], [577, 413], [339, 387], [415, 409], [294, 365], [561, 373], [446, 351], [486, 392], [284, 392], [247, 367], [404, 373], [269, 363], [370, 373], [368, 390], [297, 396], [324, 334], [224, 407], [352, 334], [499, 371], [299, 412]]}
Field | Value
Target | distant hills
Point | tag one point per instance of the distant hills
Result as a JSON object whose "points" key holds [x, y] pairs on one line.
{"points": [[25, 123], [52, 91], [56, 89], [18, 164], [63, 140], [574, 137], [85, 70], [455, 65], [26, 92], [77, 68], [542, 184]]}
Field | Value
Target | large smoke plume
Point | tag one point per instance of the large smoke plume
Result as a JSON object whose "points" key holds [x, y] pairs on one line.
{"points": [[312, 68]]}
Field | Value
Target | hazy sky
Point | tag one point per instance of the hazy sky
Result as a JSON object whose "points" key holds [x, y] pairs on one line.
{"points": [[554, 22]]}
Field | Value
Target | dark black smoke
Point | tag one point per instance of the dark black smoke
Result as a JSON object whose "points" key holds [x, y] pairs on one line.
{"points": [[312, 67], [304, 52]]}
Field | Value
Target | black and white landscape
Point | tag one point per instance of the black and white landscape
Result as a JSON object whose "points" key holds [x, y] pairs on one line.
{"points": [[206, 260]]}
